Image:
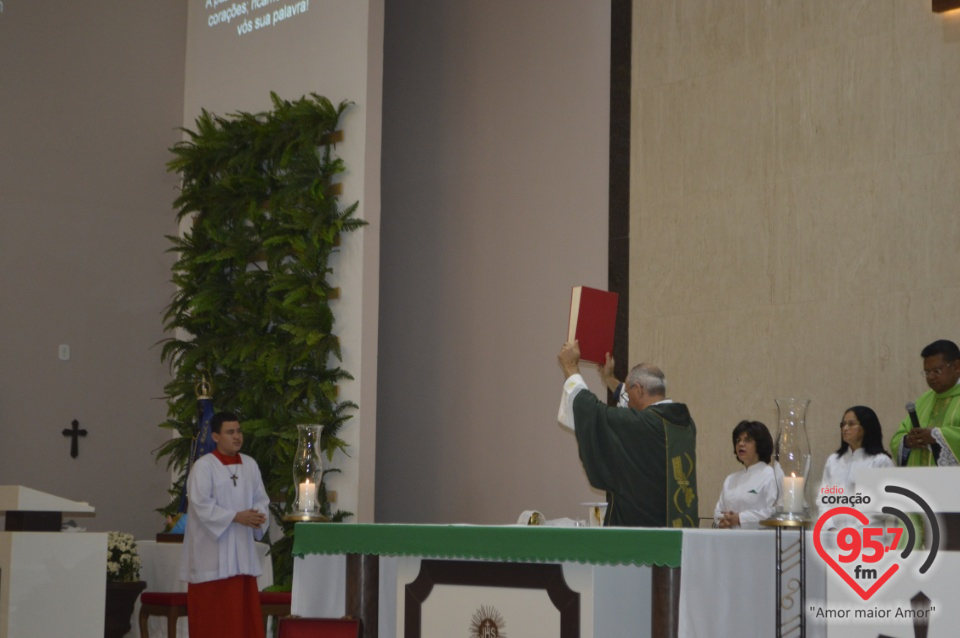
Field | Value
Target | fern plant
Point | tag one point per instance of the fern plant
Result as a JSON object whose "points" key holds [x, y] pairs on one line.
{"points": [[252, 308]]}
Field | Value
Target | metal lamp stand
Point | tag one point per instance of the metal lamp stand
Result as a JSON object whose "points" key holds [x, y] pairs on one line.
{"points": [[800, 522]]}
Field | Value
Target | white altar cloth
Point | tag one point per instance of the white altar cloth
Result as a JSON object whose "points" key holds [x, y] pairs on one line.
{"points": [[728, 583]]}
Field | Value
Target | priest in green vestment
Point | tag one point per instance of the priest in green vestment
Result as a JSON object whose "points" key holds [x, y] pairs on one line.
{"points": [[644, 456], [937, 440]]}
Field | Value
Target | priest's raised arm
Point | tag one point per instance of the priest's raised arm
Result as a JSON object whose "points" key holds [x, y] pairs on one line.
{"points": [[643, 456]]}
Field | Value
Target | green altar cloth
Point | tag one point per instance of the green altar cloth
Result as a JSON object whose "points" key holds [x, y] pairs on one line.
{"points": [[526, 544]]}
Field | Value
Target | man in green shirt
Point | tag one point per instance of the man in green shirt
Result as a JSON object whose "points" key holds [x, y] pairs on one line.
{"points": [[937, 440], [643, 456]]}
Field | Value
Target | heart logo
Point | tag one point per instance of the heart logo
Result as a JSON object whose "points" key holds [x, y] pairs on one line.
{"points": [[849, 511]]}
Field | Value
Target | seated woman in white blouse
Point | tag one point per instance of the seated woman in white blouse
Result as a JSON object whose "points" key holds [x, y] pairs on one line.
{"points": [[750, 495], [861, 445]]}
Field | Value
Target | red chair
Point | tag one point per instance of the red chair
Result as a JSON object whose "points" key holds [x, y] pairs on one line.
{"points": [[274, 603], [171, 605], [319, 628]]}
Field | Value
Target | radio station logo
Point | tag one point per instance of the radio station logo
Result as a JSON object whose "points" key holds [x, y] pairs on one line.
{"points": [[867, 555]]}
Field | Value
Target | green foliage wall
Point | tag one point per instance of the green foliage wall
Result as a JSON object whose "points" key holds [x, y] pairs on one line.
{"points": [[252, 311]]}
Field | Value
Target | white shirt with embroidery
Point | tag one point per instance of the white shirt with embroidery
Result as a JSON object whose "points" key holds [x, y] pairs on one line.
{"points": [[752, 493]]}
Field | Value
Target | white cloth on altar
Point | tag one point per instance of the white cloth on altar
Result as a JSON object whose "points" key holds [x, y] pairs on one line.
{"points": [[752, 493], [214, 547], [727, 583]]}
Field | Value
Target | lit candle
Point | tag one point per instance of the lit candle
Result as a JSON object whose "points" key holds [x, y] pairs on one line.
{"points": [[307, 496], [793, 493]]}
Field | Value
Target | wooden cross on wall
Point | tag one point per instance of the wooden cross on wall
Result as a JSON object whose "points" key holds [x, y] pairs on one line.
{"points": [[75, 432]]}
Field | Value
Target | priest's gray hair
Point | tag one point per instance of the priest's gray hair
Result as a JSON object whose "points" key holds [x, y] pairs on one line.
{"points": [[649, 377]]}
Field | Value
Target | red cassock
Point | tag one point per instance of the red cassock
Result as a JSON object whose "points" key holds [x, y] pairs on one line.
{"points": [[228, 607]]}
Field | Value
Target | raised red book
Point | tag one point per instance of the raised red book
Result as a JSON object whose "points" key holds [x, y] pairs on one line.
{"points": [[593, 316]]}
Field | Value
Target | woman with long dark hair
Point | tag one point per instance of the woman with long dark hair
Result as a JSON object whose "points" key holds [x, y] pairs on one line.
{"points": [[861, 446]]}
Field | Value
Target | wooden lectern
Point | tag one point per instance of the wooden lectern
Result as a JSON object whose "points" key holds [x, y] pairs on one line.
{"points": [[52, 583]]}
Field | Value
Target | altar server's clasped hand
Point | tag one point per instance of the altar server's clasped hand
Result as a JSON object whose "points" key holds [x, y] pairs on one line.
{"points": [[250, 518]]}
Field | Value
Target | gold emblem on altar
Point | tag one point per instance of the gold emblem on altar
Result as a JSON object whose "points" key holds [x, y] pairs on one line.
{"points": [[487, 623]]}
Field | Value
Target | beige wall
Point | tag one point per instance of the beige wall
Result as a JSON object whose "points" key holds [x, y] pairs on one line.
{"points": [[495, 141], [495, 203], [92, 94], [795, 208]]}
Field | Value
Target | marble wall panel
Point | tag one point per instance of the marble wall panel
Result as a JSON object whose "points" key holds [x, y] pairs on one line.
{"points": [[907, 322], [834, 107], [693, 348], [716, 35], [727, 128], [810, 24], [656, 43], [706, 252], [923, 233], [657, 139], [657, 258], [927, 91], [914, 20], [825, 243], [807, 245]]}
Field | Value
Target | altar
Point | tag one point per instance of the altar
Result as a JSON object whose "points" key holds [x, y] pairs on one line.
{"points": [[427, 580], [430, 580]]}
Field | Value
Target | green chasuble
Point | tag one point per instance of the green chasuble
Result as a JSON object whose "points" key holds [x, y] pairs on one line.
{"points": [[934, 410], [646, 461]]}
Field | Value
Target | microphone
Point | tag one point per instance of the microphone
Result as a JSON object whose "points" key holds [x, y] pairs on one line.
{"points": [[912, 411]]}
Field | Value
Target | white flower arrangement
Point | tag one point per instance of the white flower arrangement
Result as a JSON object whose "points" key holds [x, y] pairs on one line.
{"points": [[123, 562]]}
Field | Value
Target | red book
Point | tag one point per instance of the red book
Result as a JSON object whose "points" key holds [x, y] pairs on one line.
{"points": [[593, 316]]}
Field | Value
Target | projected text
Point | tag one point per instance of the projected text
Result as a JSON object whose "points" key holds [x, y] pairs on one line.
{"points": [[253, 15]]}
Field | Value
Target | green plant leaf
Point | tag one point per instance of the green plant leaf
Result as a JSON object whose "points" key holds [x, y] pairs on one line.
{"points": [[252, 309]]}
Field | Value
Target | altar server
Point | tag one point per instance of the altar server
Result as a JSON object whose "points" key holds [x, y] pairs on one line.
{"points": [[644, 457], [750, 495], [228, 511]]}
